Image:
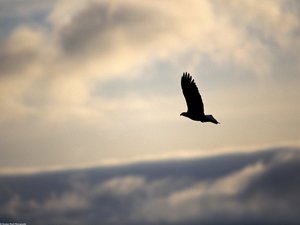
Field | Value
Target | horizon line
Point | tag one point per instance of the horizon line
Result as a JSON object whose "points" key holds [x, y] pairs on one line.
{"points": [[168, 156]]}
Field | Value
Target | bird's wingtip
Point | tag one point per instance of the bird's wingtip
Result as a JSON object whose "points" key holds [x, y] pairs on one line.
{"points": [[187, 76]]}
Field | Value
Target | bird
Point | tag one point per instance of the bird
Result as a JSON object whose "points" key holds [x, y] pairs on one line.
{"points": [[195, 107]]}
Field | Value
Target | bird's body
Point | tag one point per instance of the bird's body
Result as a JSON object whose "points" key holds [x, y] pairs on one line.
{"points": [[194, 101]]}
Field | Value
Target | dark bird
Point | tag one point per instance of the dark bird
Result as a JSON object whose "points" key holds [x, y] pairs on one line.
{"points": [[195, 108]]}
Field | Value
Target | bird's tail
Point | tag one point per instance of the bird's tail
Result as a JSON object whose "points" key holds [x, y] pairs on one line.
{"points": [[210, 118]]}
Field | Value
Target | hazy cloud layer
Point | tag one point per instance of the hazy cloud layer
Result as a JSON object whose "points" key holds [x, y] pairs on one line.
{"points": [[257, 188]]}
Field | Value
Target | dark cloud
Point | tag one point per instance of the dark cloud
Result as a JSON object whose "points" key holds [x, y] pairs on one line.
{"points": [[103, 26], [11, 62], [256, 188]]}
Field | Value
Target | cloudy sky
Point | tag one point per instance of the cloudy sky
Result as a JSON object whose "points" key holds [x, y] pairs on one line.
{"points": [[98, 82], [92, 83]]}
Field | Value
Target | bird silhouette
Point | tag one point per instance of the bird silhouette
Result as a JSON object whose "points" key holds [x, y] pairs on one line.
{"points": [[195, 107]]}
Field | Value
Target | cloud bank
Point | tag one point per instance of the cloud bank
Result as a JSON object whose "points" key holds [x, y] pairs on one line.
{"points": [[252, 188]]}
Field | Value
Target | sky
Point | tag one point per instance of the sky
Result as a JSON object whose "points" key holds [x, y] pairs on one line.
{"points": [[98, 82], [90, 94]]}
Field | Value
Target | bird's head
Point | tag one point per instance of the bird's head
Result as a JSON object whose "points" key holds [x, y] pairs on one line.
{"points": [[183, 114]]}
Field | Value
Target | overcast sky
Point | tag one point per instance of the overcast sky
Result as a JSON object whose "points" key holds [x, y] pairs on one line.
{"points": [[90, 100], [92, 82]]}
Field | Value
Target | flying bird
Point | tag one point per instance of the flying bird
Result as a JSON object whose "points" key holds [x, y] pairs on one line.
{"points": [[195, 108]]}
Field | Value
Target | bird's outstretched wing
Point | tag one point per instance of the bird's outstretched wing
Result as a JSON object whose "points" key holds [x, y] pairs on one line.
{"points": [[192, 96]]}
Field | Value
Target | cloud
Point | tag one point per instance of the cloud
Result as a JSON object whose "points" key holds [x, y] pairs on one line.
{"points": [[67, 202], [102, 40], [109, 28], [89, 41], [76, 77], [122, 186], [255, 188], [277, 20]]}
